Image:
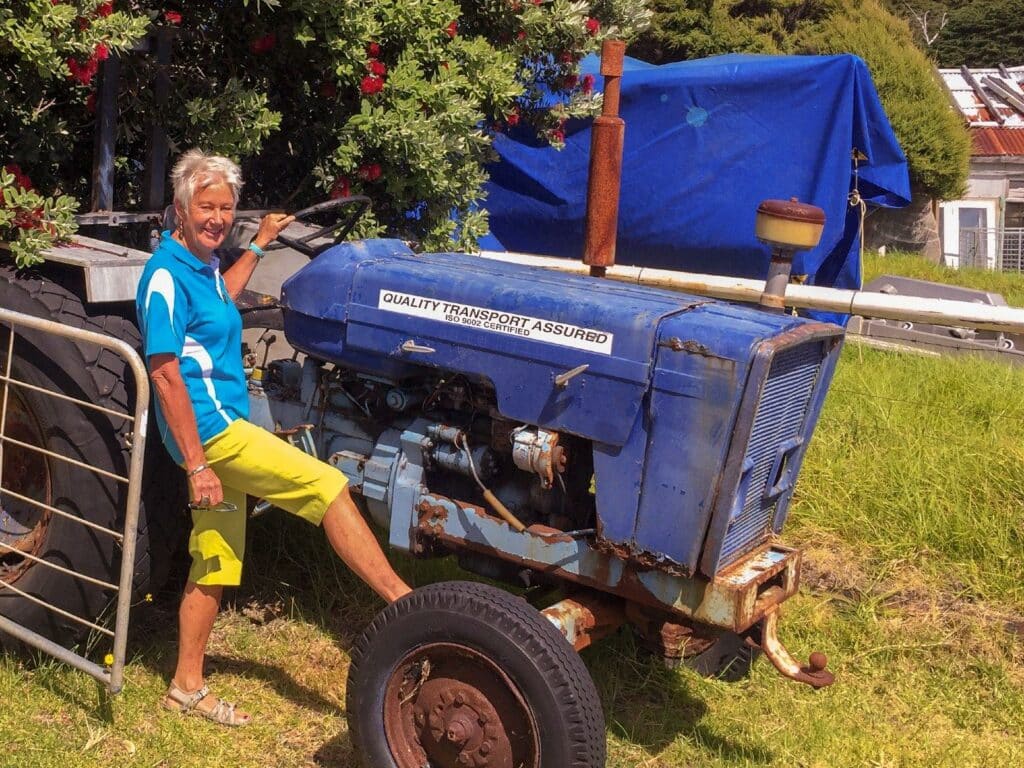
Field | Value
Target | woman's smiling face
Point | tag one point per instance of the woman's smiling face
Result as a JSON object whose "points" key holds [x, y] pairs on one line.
{"points": [[208, 220]]}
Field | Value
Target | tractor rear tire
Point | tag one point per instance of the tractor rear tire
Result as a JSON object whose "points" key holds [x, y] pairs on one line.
{"points": [[95, 375], [461, 674]]}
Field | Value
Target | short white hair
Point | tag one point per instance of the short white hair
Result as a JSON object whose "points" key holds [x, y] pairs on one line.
{"points": [[196, 170]]}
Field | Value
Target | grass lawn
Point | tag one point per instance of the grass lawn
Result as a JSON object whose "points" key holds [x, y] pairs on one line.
{"points": [[1011, 286], [911, 512]]}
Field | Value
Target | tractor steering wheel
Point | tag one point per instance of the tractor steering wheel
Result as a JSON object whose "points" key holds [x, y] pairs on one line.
{"points": [[336, 229]]}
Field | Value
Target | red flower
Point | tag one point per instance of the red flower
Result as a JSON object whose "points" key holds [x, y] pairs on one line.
{"points": [[25, 219], [558, 135], [340, 188], [373, 50], [521, 34], [570, 81], [378, 68], [101, 52], [537, 2], [452, 29], [83, 72], [371, 84], [172, 17], [328, 90], [104, 9], [54, 2], [83, 23], [593, 26], [370, 172], [587, 84], [20, 178], [90, 102], [513, 118], [264, 44], [567, 57]]}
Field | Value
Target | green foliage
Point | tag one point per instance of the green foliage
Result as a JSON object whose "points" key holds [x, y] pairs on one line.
{"points": [[49, 54], [398, 99], [982, 33], [226, 131], [931, 134], [926, 18], [30, 222], [978, 33], [696, 28]]}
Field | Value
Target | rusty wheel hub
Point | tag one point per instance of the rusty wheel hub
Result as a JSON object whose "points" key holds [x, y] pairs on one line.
{"points": [[26, 473], [449, 706]]}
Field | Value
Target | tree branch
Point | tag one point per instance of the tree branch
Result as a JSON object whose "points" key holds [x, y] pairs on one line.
{"points": [[922, 21]]}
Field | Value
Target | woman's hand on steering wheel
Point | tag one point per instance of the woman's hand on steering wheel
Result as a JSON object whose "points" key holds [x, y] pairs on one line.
{"points": [[270, 227], [340, 224]]}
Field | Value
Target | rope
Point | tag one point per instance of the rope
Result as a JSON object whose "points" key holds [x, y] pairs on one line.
{"points": [[856, 201]]}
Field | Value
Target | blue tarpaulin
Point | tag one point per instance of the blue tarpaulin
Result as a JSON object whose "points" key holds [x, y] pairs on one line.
{"points": [[707, 141]]}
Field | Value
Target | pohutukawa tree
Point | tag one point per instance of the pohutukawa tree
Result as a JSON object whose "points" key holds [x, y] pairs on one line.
{"points": [[395, 99]]}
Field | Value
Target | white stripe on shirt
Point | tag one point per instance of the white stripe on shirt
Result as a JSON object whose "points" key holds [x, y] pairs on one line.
{"points": [[196, 351], [163, 284]]}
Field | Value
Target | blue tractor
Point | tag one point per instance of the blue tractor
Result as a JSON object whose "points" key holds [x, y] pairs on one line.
{"points": [[635, 449]]}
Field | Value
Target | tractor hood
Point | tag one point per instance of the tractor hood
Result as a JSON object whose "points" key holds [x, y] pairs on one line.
{"points": [[519, 327]]}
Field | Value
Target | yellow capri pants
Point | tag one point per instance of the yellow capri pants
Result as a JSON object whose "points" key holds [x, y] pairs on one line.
{"points": [[250, 460]]}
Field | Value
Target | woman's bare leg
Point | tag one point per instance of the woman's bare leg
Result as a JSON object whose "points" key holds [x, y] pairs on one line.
{"points": [[198, 611], [352, 539], [199, 607]]}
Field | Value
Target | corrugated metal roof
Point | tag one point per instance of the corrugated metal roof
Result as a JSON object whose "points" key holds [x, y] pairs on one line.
{"points": [[973, 107], [997, 142]]}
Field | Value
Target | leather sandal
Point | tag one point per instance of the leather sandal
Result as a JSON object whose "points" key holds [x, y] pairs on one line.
{"points": [[187, 703]]}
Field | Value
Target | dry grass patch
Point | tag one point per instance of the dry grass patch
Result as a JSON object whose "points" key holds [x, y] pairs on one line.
{"points": [[912, 603]]}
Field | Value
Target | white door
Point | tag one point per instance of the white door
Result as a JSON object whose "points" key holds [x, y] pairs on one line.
{"points": [[969, 233]]}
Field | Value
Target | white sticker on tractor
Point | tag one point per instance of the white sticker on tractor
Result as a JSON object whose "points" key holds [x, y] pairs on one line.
{"points": [[496, 320]]}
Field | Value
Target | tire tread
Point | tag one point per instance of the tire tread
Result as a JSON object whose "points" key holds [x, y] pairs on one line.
{"points": [[529, 631]]}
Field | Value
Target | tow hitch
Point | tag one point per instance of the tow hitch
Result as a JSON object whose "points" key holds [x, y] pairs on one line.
{"points": [[764, 635]]}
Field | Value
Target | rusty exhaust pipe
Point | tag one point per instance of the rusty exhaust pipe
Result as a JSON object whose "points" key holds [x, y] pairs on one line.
{"points": [[605, 175]]}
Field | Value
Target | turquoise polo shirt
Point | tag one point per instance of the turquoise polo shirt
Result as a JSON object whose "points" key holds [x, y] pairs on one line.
{"points": [[184, 309]]}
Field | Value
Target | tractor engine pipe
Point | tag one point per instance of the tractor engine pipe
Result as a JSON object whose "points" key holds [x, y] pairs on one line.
{"points": [[774, 296], [604, 178]]}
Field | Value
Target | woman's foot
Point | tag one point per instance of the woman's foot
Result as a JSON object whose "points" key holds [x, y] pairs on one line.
{"points": [[202, 702]]}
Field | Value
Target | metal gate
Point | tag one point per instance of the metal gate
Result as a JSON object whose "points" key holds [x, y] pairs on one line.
{"points": [[112, 675], [1011, 252], [976, 248]]}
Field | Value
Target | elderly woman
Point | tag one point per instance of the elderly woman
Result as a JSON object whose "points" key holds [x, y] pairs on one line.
{"points": [[192, 339]]}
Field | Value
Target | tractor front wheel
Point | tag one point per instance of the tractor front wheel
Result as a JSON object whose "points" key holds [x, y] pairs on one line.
{"points": [[464, 675]]}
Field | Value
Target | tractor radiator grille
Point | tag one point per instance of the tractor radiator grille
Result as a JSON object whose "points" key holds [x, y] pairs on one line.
{"points": [[778, 421]]}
